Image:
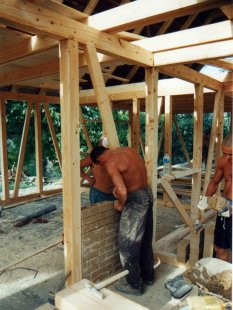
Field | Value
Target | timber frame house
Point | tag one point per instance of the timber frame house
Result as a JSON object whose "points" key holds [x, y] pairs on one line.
{"points": [[140, 55]]}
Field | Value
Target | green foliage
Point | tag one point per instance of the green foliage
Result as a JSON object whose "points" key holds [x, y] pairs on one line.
{"points": [[15, 116]]}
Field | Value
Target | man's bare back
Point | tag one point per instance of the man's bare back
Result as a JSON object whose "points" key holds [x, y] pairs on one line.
{"points": [[130, 165], [127, 170]]}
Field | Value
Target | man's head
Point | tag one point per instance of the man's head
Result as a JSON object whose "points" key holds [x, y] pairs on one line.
{"points": [[227, 147], [96, 153]]}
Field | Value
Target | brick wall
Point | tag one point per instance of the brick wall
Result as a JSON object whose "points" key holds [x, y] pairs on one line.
{"points": [[100, 256]]}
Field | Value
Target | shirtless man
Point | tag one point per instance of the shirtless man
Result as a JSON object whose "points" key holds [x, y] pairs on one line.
{"points": [[101, 186], [223, 228], [135, 201]]}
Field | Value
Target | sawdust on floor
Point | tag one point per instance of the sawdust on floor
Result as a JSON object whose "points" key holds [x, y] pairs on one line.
{"points": [[29, 284]]}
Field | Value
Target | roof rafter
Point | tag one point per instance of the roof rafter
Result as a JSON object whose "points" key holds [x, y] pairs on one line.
{"points": [[146, 12], [41, 20]]}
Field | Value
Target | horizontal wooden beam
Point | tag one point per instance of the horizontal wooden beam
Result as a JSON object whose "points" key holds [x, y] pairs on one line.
{"points": [[41, 20], [194, 53], [146, 12], [225, 64], [29, 73], [188, 37], [190, 75], [26, 47]]}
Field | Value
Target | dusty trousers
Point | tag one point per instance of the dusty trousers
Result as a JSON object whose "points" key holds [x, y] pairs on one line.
{"points": [[135, 237]]}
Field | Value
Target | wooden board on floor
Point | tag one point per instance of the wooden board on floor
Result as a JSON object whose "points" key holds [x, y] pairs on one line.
{"points": [[78, 296], [166, 247]]}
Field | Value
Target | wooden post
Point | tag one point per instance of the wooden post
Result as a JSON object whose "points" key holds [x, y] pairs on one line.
{"points": [[167, 132], [151, 78], [85, 131], [130, 126], [168, 126], [136, 124], [212, 141], [53, 133], [102, 98], [219, 134], [184, 148], [197, 150], [69, 94], [3, 149], [38, 141], [22, 149]]}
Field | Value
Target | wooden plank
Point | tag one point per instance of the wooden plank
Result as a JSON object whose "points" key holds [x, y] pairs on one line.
{"points": [[22, 149], [136, 124], [227, 10], [61, 9], [197, 150], [85, 130], [180, 174], [209, 240], [3, 151], [38, 152], [193, 37], [183, 250], [151, 78], [69, 93], [219, 134], [194, 53], [183, 145], [29, 73], [219, 63], [174, 199], [60, 27], [26, 47], [53, 134], [212, 141], [191, 75], [145, 12], [165, 248], [168, 126], [196, 246], [103, 101]]}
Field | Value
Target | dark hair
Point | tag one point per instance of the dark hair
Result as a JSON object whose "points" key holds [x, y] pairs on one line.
{"points": [[96, 153]]}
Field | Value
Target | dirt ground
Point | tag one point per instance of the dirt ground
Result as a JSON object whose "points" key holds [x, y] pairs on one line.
{"points": [[29, 284]]}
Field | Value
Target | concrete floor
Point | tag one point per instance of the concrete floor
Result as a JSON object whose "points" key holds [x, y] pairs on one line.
{"points": [[27, 285]]}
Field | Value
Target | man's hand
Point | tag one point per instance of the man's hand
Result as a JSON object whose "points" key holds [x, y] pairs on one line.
{"points": [[118, 206], [203, 204]]}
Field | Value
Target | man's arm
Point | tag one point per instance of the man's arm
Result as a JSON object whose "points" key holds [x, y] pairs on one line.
{"points": [[120, 191], [218, 176], [86, 162]]}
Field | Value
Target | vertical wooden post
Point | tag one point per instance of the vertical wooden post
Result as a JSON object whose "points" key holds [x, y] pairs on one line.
{"points": [[212, 141], [219, 133], [38, 142], [3, 149], [168, 126], [151, 157], [69, 95], [53, 133], [130, 126], [167, 132], [85, 130], [184, 148], [22, 149], [197, 150], [136, 124]]}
